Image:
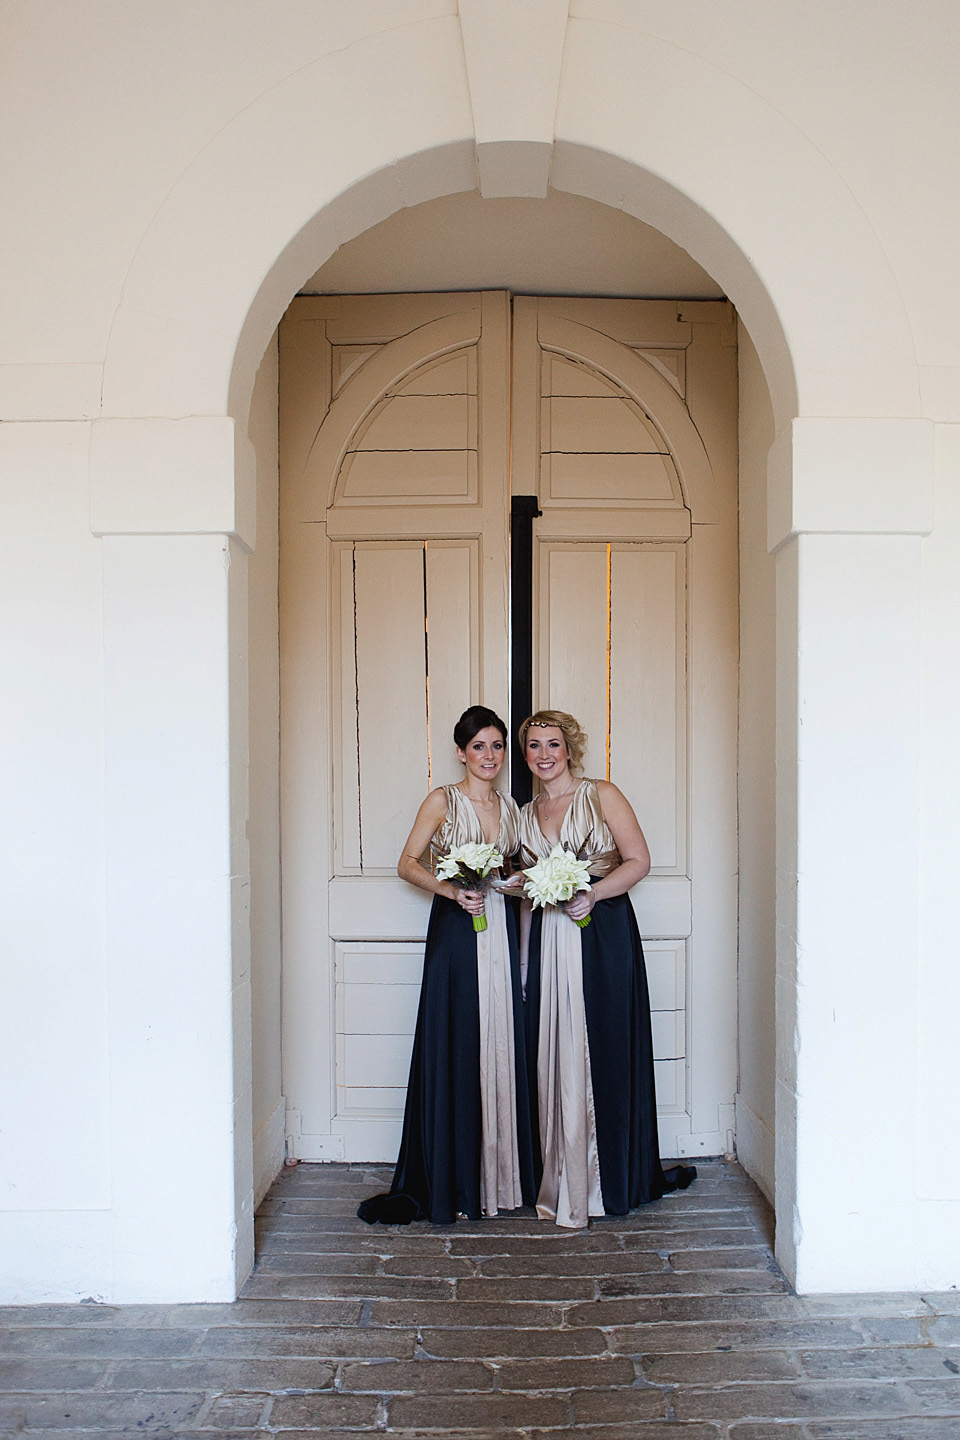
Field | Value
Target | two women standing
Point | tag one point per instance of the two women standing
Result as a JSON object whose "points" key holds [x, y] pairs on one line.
{"points": [[558, 1108]]}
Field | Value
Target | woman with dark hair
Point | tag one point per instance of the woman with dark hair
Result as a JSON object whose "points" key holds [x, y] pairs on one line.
{"points": [[589, 1041], [466, 1149]]}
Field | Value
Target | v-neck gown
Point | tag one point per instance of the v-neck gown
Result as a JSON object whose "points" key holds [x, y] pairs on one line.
{"points": [[589, 1043], [467, 1146]]}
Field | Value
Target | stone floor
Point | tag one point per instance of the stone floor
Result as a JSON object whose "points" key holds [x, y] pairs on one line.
{"points": [[672, 1324]]}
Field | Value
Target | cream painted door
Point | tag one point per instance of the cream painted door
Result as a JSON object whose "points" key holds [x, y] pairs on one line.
{"points": [[394, 515], [399, 417], [625, 418]]}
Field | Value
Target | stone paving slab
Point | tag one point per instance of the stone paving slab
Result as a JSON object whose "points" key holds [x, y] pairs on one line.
{"points": [[791, 1401], [714, 1367], [526, 1266], [429, 1376], [673, 1323], [872, 1364], [940, 1395], [700, 1237], [468, 1412], [318, 1287], [940, 1302], [349, 1244], [704, 1282], [298, 1262], [562, 1374], [45, 1375], [231, 1376], [251, 1340], [636, 1430], [553, 1242], [699, 1307], [325, 1411], [467, 1313], [910, 1428], [493, 1342], [82, 1343], [246, 1412], [158, 1412], [723, 1336], [625, 1404], [556, 1287], [766, 1430], [944, 1329]]}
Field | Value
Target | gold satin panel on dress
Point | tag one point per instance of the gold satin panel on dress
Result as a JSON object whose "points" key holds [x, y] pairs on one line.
{"points": [[570, 1190], [584, 831], [500, 1159]]}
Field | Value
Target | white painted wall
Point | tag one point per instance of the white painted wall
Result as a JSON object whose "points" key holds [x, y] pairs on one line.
{"points": [[937, 1154], [55, 1137], [263, 576], [756, 972], [855, 1063], [561, 244], [174, 173]]}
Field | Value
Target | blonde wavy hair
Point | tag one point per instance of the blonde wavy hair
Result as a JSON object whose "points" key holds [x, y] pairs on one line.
{"points": [[575, 737]]}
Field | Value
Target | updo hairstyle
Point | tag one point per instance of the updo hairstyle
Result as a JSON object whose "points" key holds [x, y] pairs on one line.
{"points": [[472, 721], [575, 737]]}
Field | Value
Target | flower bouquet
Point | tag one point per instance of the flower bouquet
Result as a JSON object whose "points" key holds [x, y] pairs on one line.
{"points": [[469, 866], [557, 878]]}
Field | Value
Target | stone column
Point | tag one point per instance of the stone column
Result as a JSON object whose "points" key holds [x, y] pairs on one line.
{"points": [[175, 512], [848, 502]]}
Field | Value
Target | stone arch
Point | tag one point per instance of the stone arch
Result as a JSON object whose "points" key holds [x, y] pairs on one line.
{"points": [[311, 163], [736, 183]]}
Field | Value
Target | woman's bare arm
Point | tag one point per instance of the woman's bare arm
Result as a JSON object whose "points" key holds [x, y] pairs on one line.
{"points": [[430, 817], [634, 854]]}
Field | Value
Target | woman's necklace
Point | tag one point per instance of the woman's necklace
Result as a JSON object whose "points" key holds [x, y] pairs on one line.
{"points": [[549, 807], [489, 804], [482, 802]]}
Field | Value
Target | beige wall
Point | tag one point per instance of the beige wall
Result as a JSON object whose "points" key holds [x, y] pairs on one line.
{"points": [[756, 1098], [561, 244], [55, 1058], [268, 1116], [174, 171]]}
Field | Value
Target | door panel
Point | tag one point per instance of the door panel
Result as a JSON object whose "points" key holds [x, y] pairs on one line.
{"points": [[647, 692], [408, 613], [635, 569], [571, 583], [396, 418], [394, 617], [612, 639]]}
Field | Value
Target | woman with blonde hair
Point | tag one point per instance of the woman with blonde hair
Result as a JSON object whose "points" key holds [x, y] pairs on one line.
{"points": [[589, 1043]]}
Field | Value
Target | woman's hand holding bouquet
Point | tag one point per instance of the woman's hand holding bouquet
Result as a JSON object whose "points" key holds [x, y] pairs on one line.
{"points": [[468, 866], [556, 879]]}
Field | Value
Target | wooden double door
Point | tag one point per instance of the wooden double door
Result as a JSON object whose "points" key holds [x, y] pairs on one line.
{"points": [[407, 423]]}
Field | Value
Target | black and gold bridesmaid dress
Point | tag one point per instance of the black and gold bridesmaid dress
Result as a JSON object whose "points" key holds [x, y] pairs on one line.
{"points": [[589, 1044], [467, 1147]]}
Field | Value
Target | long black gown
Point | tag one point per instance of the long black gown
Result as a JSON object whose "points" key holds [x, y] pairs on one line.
{"points": [[621, 1112], [440, 1167]]}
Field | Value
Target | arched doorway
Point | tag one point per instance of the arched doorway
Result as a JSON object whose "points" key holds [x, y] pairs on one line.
{"points": [[406, 422], [186, 341]]}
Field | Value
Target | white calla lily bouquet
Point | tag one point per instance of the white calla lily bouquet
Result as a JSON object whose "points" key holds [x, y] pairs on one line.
{"points": [[469, 866], [557, 878]]}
